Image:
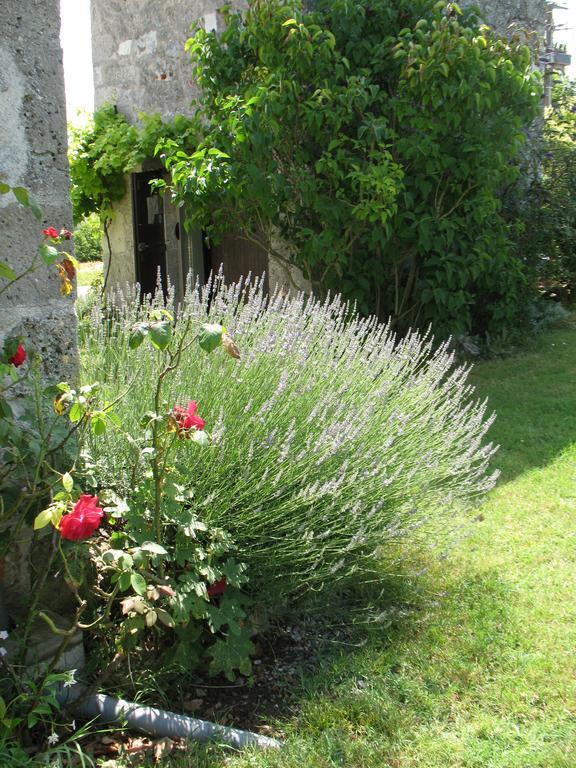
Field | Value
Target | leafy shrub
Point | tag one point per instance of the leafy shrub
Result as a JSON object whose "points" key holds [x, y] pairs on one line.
{"points": [[545, 209], [332, 440], [375, 137], [88, 239]]}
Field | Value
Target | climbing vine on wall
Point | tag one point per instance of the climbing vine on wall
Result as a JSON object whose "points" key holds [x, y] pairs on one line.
{"points": [[109, 148], [102, 154]]}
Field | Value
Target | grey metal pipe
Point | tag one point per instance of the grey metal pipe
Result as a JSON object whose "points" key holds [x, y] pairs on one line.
{"points": [[158, 722]]}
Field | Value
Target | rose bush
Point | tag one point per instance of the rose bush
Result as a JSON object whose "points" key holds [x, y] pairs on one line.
{"points": [[18, 357], [83, 520]]}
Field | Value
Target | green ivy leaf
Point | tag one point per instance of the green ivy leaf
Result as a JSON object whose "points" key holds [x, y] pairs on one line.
{"points": [[210, 336], [228, 612], [4, 188], [160, 334]]}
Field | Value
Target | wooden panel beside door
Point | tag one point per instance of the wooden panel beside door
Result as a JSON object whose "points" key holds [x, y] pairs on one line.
{"points": [[238, 257]]}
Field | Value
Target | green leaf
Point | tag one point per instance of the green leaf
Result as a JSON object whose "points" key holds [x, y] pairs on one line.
{"points": [[160, 334], [6, 272], [36, 211], [154, 548], [124, 581], [67, 481], [124, 559], [43, 519], [138, 583], [165, 617], [75, 413], [210, 336], [4, 188], [48, 253], [98, 424], [230, 654], [21, 195], [139, 331], [227, 613], [2, 708]]}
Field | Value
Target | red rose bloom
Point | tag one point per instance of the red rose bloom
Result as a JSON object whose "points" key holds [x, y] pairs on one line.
{"points": [[186, 419], [50, 232], [83, 520], [18, 357], [217, 589]]}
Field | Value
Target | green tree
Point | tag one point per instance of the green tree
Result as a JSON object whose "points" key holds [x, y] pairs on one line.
{"points": [[375, 138]]}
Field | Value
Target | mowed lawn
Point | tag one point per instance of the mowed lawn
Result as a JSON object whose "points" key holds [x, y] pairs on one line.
{"points": [[88, 271], [479, 669]]}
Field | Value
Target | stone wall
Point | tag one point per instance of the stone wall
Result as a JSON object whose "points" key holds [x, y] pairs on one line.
{"points": [[138, 53], [33, 148], [122, 268], [508, 16]]}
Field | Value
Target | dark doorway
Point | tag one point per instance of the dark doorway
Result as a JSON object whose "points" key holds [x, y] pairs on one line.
{"points": [[149, 242]]}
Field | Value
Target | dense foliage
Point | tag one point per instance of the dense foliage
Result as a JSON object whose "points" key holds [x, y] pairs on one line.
{"points": [[332, 442], [544, 206], [88, 239], [110, 147], [374, 137]]}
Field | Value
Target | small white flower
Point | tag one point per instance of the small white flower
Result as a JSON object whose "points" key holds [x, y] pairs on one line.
{"points": [[3, 635], [70, 680], [3, 651], [53, 739]]}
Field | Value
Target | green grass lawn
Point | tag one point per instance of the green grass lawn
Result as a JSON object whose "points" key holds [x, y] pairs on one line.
{"points": [[481, 672], [88, 271]]}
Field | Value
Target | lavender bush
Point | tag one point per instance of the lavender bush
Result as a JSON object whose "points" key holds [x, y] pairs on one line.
{"points": [[332, 441]]}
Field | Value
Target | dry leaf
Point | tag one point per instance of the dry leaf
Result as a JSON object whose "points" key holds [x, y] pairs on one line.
{"points": [[230, 347], [162, 748]]}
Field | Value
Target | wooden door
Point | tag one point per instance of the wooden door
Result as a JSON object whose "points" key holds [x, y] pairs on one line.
{"points": [[149, 241]]}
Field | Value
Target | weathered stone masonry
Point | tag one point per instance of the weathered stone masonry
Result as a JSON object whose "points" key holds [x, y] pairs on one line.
{"points": [[33, 155]]}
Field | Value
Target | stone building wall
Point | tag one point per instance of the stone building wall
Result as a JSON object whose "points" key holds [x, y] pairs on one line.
{"points": [[508, 16], [138, 53], [33, 146], [33, 154], [121, 269]]}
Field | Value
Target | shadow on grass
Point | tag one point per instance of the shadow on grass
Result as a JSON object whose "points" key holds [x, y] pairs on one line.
{"points": [[534, 397], [366, 693]]}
